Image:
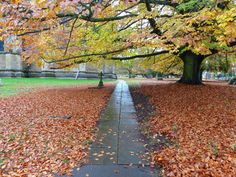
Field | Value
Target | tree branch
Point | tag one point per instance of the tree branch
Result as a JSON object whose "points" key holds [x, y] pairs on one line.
{"points": [[128, 25], [232, 43], [44, 29], [161, 2], [152, 20], [93, 19], [68, 43], [86, 55], [67, 65], [140, 56]]}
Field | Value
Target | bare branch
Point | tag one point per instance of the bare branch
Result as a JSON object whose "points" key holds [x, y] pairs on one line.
{"points": [[161, 2], [93, 19], [70, 64], [128, 25], [44, 29], [140, 56], [152, 20], [68, 43], [86, 55]]}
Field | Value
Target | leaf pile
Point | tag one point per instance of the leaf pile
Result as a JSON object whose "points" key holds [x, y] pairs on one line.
{"points": [[34, 138], [201, 121]]}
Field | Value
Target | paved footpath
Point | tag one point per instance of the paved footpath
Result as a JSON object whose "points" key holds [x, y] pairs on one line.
{"points": [[119, 149]]}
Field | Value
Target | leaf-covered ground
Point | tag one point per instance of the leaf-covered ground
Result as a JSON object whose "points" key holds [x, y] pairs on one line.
{"points": [[201, 122], [35, 137]]}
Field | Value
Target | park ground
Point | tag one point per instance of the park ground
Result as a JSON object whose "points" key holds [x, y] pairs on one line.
{"points": [[199, 123], [48, 125]]}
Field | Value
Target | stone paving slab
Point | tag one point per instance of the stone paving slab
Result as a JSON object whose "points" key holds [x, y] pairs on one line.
{"points": [[112, 112], [127, 110], [109, 139], [129, 121], [103, 156], [107, 126], [130, 115], [114, 171], [129, 129]]}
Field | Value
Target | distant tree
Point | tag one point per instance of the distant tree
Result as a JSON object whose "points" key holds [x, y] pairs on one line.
{"points": [[165, 64], [222, 62], [131, 67]]}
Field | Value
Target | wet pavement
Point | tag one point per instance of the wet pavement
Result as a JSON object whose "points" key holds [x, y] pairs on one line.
{"points": [[119, 149]]}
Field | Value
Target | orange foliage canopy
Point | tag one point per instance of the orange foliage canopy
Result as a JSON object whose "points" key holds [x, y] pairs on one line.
{"points": [[144, 26]]}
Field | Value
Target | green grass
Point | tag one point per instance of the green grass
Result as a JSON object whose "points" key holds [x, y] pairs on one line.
{"points": [[13, 86], [133, 82]]}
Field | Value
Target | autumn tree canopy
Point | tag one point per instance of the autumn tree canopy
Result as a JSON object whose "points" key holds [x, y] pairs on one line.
{"points": [[68, 32]]}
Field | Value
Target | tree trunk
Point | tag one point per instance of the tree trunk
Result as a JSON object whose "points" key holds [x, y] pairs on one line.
{"points": [[192, 64]]}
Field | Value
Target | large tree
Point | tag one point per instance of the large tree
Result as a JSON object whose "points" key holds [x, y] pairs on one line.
{"points": [[68, 32]]}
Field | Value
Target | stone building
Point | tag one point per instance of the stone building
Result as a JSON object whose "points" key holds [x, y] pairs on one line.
{"points": [[11, 65]]}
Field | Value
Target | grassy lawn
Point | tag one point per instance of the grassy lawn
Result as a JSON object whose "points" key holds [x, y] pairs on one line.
{"points": [[133, 82], [13, 86]]}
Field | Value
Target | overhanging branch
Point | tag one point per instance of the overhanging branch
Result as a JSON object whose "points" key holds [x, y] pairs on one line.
{"points": [[67, 65], [44, 29], [232, 43], [82, 17], [93, 19], [162, 2], [152, 21], [71, 31], [140, 56], [86, 55]]}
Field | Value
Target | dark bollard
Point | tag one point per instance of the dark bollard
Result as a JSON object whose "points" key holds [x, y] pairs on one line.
{"points": [[100, 84]]}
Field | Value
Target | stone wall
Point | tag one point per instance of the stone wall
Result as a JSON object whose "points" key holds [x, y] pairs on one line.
{"points": [[11, 65]]}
